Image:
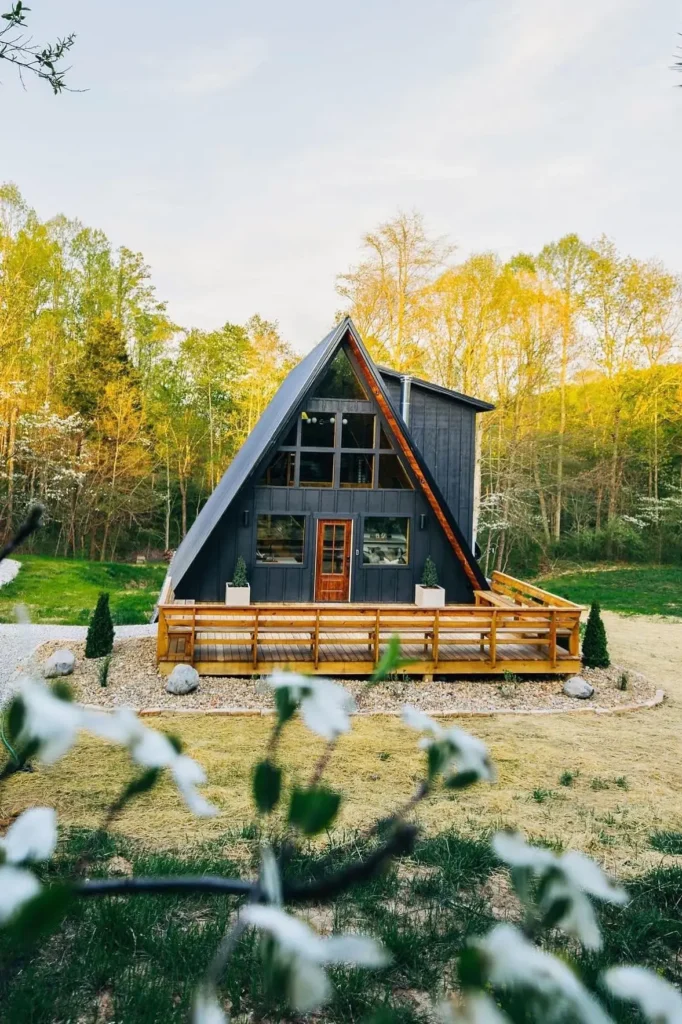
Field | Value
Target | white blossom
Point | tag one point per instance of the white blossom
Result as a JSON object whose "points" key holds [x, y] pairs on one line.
{"points": [[270, 882], [571, 878], [206, 1008], [304, 953], [477, 1008], [462, 753], [189, 774], [32, 837], [658, 1000], [17, 886], [52, 722], [511, 961], [325, 706]]}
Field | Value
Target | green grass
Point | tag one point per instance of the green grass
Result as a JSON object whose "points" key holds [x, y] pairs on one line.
{"points": [[640, 590], [65, 590], [145, 955], [667, 842]]}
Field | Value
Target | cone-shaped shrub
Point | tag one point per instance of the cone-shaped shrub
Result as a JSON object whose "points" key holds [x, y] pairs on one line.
{"points": [[240, 579], [429, 573], [100, 639], [595, 647]]}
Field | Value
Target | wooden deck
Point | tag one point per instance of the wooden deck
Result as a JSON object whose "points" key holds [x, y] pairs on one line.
{"points": [[512, 628]]}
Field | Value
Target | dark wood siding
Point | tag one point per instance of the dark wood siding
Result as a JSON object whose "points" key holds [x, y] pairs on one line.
{"points": [[207, 577], [444, 430]]}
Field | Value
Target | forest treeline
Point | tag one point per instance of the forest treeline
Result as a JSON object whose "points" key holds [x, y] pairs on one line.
{"points": [[121, 422]]}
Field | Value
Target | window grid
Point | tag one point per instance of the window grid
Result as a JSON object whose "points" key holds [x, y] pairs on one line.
{"points": [[376, 451]]}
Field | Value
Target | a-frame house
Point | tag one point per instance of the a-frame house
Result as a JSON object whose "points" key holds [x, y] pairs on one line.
{"points": [[351, 477]]}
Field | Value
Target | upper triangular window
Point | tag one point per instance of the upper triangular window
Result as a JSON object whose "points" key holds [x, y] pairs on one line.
{"points": [[339, 380]]}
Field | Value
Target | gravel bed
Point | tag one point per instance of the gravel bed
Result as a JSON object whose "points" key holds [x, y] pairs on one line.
{"points": [[19, 643], [134, 682]]}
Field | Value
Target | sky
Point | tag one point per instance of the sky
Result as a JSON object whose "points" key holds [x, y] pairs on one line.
{"points": [[245, 148]]}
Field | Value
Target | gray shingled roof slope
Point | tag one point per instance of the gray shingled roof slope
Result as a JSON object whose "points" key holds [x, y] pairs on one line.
{"points": [[264, 435], [428, 385]]}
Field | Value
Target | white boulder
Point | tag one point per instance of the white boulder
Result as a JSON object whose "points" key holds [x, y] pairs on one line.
{"points": [[183, 679], [578, 687], [61, 663]]}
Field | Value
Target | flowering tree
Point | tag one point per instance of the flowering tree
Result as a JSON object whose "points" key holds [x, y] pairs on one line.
{"points": [[506, 967]]}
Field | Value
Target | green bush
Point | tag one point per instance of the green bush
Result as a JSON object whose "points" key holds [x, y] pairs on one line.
{"points": [[429, 573], [100, 639], [595, 647], [240, 579]]}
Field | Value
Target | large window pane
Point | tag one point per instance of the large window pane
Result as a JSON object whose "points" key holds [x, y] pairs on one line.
{"points": [[386, 540], [340, 381], [280, 472], [280, 539], [317, 430], [384, 441], [392, 475], [289, 440], [357, 430], [356, 470], [317, 469]]}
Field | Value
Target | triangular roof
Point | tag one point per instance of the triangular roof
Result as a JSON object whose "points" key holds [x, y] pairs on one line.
{"points": [[271, 426]]}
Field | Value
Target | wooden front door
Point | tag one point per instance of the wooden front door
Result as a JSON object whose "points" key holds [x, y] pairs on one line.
{"points": [[332, 561]]}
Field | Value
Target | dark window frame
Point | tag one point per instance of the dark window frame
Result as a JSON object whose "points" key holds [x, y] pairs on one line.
{"points": [[387, 565], [376, 451], [306, 517]]}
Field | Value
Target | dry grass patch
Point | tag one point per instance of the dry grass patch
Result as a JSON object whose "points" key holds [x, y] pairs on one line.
{"points": [[640, 749]]}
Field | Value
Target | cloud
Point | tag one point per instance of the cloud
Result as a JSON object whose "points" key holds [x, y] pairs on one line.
{"points": [[209, 72]]}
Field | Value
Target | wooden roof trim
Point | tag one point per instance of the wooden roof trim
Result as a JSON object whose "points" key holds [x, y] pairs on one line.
{"points": [[406, 449]]}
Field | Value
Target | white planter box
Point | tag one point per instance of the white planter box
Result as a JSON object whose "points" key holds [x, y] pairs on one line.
{"points": [[237, 597], [429, 597]]}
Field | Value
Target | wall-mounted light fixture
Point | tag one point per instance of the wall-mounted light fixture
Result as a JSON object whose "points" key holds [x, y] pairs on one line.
{"points": [[422, 521], [246, 517]]}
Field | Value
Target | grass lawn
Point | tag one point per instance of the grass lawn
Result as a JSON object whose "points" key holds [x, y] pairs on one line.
{"points": [[628, 589], [138, 959], [65, 590]]}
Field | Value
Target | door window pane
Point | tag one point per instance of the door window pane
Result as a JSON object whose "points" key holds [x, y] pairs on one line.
{"points": [[340, 381], [356, 470], [357, 430], [280, 472], [333, 547], [317, 430], [392, 475], [386, 540], [317, 469], [280, 539]]}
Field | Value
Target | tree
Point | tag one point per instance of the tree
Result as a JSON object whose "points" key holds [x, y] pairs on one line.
{"points": [[386, 293], [595, 647], [100, 639], [46, 62]]}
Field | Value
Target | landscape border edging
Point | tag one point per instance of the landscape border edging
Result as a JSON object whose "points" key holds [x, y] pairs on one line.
{"points": [[654, 701]]}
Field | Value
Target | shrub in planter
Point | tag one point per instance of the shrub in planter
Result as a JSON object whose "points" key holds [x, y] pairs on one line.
{"points": [[100, 639], [428, 593], [595, 647], [240, 579], [238, 592]]}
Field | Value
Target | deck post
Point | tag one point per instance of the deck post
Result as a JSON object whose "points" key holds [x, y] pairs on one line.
{"points": [[192, 636], [377, 623], [254, 640], [552, 638], [493, 638], [316, 645], [574, 639], [162, 636], [435, 643]]}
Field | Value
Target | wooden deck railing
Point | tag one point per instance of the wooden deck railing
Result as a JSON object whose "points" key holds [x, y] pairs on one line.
{"points": [[309, 631]]}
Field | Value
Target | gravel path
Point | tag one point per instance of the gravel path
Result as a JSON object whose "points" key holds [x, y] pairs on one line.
{"points": [[18, 642]]}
